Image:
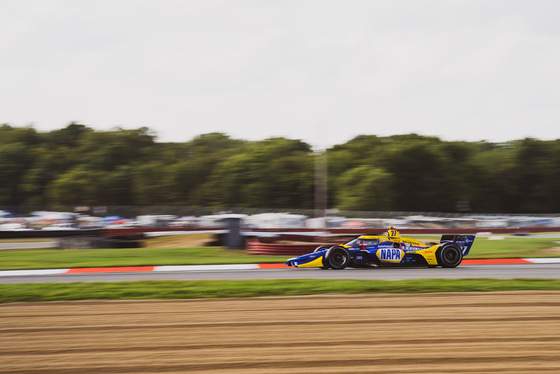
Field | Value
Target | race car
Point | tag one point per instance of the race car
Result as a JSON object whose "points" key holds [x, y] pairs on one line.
{"points": [[392, 249]]}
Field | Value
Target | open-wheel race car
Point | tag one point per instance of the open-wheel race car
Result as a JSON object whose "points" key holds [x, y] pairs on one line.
{"points": [[392, 249]]}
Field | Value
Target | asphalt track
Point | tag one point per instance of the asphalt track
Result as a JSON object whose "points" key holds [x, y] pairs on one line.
{"points": [[546, 270]]}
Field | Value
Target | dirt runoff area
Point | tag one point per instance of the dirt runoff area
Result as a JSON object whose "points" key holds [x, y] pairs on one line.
{"points": [[509, 332]]}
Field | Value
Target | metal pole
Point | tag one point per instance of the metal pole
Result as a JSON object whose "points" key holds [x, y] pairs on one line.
{"points": [[321, 181]]}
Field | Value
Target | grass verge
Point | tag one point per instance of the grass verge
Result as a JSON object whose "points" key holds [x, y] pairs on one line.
{"points": [[30, 292], [184, 254], [508, 246], [79, 258]]}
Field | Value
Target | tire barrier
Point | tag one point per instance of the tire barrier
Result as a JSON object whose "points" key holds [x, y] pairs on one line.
{"points": [[32, 234], [256, 247], [289, 245], [414, 231], [280, 244], [98, 242]]}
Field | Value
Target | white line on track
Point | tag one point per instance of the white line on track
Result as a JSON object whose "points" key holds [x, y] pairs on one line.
{"points": [[550, 260], [15, 273], [207, 267]]}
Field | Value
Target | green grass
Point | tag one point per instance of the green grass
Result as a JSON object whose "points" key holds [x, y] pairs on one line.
{"points": [[510, 246], [55, 258], [254, 288], [514, 247]]}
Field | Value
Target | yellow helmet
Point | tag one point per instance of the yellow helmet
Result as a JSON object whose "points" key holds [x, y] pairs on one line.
{"points": [[393, 234]]}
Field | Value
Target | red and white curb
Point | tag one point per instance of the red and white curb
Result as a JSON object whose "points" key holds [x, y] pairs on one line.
{"points": [[123, 269]]}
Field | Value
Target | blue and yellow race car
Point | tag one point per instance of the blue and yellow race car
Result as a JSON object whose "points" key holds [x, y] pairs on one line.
{"points": [[369, 250]]}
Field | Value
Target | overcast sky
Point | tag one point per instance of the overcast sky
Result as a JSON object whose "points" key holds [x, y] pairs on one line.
{"points": [[322, 71]]}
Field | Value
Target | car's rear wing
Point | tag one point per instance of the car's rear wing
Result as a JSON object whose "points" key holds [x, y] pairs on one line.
{"points": [[465, 242]]}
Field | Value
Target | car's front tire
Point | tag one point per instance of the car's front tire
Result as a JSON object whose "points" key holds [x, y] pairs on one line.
{"points": [[449, 255], [337, 258], [321, 248]]}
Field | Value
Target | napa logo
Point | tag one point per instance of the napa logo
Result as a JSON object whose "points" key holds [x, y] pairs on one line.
{"points": [[390, 254]]}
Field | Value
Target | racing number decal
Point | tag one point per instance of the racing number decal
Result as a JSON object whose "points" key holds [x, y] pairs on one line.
{"points": [[393, 233]]}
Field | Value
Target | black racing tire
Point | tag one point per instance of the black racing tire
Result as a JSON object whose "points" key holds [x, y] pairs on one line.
{"points": [[325, 266], [337, 258], [320, 248], [449, 255]]}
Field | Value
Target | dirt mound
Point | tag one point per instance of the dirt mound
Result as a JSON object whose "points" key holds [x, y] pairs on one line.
{"points": [[180, 241]]}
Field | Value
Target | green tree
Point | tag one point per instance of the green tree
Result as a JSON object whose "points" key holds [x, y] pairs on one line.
{"points": [[116, 187], [492, 182], [78, 165], [532, 176], [69, 136], [420, 181], [15, 158], [271, 173], [24, 135], [106, 150], [150, 184], [365, 188], [75, 187]]}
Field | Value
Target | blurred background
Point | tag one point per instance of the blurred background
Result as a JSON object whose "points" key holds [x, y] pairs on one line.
{"points": [[78, 177], [352, 110]]}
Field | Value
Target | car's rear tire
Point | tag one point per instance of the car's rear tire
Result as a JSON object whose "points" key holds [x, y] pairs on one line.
{"points": [[337, 258], [449, 255]]}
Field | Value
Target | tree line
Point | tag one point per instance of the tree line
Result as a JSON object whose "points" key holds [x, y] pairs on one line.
{"points": [[77, 165]]}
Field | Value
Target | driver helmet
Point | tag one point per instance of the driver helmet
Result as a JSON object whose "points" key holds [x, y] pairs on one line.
{"points": [[393, 234]]}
